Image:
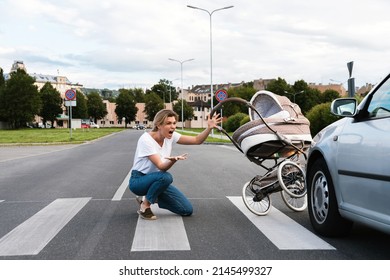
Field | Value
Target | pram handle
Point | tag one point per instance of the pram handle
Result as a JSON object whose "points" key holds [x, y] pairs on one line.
{"points": [[219, 105], [236, 99]]}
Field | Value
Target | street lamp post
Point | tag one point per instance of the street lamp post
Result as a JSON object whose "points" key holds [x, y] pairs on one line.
{"points": [[158, 90], [182, 92], [211, 49], [294, 93]]}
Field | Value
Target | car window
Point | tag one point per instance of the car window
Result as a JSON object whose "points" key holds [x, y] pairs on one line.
{"points": [[380, 103]]}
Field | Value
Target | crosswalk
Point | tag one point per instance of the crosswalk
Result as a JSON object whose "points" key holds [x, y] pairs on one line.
{"points": [[282, 231], [30, 237], [167, 233]]}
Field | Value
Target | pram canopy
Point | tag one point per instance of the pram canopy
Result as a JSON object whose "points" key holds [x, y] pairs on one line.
{"points": [[280, 120]]}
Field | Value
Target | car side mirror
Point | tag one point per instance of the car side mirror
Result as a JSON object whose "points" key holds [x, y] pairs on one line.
{"points": [[344, 107]]}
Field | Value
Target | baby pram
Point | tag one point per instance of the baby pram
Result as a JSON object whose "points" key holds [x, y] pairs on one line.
{"points": [[276, 138]]}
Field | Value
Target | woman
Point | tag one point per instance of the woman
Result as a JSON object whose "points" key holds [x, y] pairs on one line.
{"points": [[152, 160]]}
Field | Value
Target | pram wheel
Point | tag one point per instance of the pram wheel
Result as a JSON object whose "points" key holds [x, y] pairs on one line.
{"points": [[258, 203], [297, 204], [292, 179]]}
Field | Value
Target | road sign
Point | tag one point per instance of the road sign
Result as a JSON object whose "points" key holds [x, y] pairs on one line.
{"points": [[70, 95], [71, 103], [221, 95]]}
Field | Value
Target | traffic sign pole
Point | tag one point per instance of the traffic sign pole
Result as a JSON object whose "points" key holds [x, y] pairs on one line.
{"points": [[70, 122], [221, 95], [70, 99]]}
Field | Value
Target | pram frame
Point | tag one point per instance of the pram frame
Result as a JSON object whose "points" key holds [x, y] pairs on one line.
{"points": [[259, 201]]}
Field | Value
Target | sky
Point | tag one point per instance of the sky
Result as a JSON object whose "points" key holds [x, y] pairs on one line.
{"points": [[127, 43]]}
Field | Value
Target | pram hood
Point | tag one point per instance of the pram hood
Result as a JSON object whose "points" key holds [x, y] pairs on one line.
{"points": [[271, 105], [279, 115]]}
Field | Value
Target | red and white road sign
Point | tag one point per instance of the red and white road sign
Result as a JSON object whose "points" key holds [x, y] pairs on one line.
{"points": [[221, 95], [70, 95]]}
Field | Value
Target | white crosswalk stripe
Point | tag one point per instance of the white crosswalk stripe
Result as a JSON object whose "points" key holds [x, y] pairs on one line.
{"points": [[30, 237], [167, 233], [122, 188], [284, 232]]}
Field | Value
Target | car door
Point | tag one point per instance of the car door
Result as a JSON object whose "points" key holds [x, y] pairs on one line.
{"points": [[364, 159]]}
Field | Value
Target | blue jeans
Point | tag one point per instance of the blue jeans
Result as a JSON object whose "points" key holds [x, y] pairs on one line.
{"points": [[157, 187]]}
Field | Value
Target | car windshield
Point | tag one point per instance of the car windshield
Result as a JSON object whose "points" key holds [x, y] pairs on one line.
{"points": [[380, 103]]}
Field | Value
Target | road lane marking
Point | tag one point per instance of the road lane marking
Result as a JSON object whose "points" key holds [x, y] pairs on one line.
{"points": [[167, 233], [122, 188], [30, 237], [282, 231], [1, 201]]}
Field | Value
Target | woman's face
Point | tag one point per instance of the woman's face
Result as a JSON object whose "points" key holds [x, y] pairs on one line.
{"points": [[168, 127]]}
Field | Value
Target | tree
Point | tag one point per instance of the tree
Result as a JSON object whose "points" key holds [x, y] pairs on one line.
{"points": [[51, 103], [304, 96], [246, 91], [188, 111], [320, 117], [279, 86], [20, 100], [126, 107], [329, 95], [139, 95], [96, 108], [80, 111], [165, 91], [153, 104], [2, 85]]}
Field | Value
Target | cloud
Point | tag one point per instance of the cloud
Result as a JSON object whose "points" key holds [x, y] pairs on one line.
{"points": [[117, 42]]}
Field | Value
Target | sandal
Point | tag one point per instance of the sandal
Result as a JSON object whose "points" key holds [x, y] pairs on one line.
{"points": [[147, 214]]}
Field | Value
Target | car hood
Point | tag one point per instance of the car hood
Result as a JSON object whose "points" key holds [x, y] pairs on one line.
{"points": [[329, 131]]}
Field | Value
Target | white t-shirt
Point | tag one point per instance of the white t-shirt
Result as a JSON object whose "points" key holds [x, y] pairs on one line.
{"points": [[147, 146]]}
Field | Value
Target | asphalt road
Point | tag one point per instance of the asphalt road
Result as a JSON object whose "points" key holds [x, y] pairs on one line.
{"points": [[72, 203]]}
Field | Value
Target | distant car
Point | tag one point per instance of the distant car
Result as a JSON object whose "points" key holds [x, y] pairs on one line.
{"points": [[139, 127], [41, 125], [93, 125], [348, 167]]}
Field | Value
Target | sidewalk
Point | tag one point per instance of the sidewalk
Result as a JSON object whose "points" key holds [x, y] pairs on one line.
{"points": [[217, 134]]}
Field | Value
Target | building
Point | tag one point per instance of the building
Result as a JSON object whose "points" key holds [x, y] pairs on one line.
{"points": [[261, 84], [362, 91], [60, 83], [199, 98], [337, 87]]}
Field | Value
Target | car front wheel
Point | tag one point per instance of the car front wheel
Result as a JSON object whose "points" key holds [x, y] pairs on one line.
{"points": [[323, 208]]}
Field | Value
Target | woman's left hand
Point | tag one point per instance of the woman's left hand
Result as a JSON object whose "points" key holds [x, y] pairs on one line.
{"points": [[176, 158], [213, 122]]}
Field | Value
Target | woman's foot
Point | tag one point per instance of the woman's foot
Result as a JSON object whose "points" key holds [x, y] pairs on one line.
{"points": [[144, 210], [146, 214]]}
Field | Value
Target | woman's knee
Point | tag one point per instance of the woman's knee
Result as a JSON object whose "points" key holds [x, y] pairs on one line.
{"points": [[166, 178], [184, 208], [187, 211]]}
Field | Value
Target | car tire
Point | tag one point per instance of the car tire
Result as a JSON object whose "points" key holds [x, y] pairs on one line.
{"points": [[322, 203]]}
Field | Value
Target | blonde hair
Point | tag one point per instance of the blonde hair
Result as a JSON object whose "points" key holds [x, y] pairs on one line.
{"points": [[161, 116]]}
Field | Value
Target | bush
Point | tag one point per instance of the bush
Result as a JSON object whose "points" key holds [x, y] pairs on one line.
{"points": [[234, 122], [244, 120], [320, 117]]}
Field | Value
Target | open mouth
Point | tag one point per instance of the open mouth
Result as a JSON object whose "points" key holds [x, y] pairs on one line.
{"points": [[171, 132]]}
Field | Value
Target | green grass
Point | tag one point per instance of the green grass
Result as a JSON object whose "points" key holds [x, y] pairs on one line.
{"points": [[53, 136], [62, 136], [215, 139]]}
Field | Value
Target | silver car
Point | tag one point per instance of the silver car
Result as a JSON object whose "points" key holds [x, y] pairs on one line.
{"points": [[348, 167]]}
